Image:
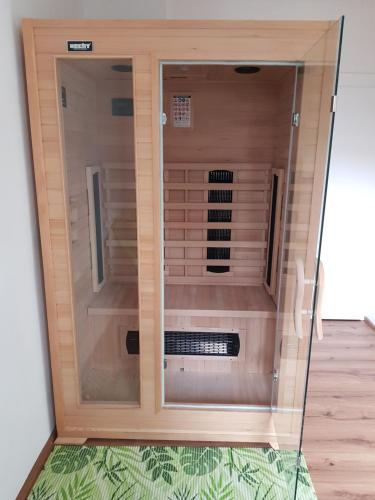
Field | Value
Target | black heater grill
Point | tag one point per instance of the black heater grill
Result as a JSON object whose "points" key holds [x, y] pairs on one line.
{"points": [[220, 216], [220, 176], [132, 342], [201, 343], [219, 196], [275, 182], [192, 343]]}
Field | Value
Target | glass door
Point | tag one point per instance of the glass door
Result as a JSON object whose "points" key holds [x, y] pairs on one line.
{"points": [[313, 121]]}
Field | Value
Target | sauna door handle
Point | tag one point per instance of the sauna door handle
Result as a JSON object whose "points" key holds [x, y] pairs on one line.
{"points": [[300, 288], [318, 314]]}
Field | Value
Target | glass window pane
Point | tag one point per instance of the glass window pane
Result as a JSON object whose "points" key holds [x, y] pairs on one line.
{"points": [[98, 135], [225, 151]]}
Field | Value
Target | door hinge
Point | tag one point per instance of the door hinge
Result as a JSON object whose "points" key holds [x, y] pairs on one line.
{"points": [[164, 118], [295, 119], [333, 103], [275, 375], [298, 464]]}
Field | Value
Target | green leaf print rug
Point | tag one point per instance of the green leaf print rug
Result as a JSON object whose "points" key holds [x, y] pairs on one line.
{"points": [[171, 473]]}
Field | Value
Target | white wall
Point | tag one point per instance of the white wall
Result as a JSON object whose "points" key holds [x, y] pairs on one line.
{"points": [[124, 9], [349, 240], [26, 414]]}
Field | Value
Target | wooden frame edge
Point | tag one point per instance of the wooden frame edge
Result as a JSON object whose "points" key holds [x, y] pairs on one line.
{"points": [[43, 212], [322, 25]]}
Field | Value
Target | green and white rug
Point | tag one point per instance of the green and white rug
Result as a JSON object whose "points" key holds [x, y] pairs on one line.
{"points": [[170, 473]]}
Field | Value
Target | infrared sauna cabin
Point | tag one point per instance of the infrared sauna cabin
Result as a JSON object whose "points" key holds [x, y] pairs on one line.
{"points": [[181, 170]]}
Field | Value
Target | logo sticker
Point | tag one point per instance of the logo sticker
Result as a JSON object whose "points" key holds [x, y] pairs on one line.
{"points": [[79, 46]]}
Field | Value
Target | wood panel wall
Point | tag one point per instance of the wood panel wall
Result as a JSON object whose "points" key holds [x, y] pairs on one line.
{"points": [[116, 147], [232, 122], [241, 127]]}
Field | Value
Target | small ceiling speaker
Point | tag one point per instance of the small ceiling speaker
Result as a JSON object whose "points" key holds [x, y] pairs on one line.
{"points": [[247, 70]]}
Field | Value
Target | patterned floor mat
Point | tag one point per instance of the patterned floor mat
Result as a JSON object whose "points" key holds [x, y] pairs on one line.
{"points": [[171, 473]]}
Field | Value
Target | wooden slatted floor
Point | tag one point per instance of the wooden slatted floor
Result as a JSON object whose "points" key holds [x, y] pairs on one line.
{"points": [[339, 438]]}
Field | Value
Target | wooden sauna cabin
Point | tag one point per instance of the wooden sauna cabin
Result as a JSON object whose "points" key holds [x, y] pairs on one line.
{"points": [[181, 170]]}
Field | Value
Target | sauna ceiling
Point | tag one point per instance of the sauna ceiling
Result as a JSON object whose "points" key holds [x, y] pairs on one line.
{"points": [[224, 73]]}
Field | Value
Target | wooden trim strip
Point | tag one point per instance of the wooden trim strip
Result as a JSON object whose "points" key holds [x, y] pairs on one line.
{"points": [[214, 225], [206, 206], [211, 244], [116, 186], [44, 216], [217, 166], [121, 243], [215, 262], [217, 279], [198, 186], [118, 166], [168, 24]]}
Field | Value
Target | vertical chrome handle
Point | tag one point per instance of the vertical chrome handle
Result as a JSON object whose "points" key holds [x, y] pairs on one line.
{"points": [[300, 287], [319, 302]]}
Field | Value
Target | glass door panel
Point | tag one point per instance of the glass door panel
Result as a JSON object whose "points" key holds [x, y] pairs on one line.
{"points": [[218, 146], [304, 206], [96, 110]]}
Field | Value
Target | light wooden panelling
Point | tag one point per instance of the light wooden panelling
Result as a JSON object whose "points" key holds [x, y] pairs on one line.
{"points": [[248, 311], [186, 202], [208, 387], [146, 43], [111, 375], [235, 118], [116, 146], [232, 122], [233, 377]]}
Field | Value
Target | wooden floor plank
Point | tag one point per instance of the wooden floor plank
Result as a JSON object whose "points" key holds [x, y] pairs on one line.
{"points": [[339, 436]]}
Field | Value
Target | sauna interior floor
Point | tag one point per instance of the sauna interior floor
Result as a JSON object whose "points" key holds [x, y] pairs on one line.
{"points": [[114, 297], [238, 388]]}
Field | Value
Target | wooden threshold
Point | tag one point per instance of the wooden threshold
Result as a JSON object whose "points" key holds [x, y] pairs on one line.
{"points": [[190, 444]]}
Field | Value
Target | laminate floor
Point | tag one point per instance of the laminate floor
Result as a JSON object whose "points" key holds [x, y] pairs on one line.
{"points": [[339, 436]]}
